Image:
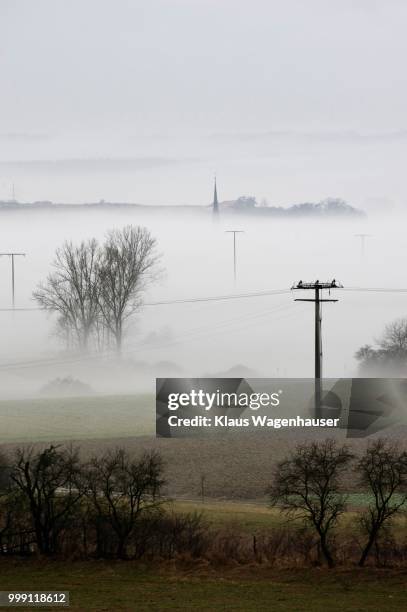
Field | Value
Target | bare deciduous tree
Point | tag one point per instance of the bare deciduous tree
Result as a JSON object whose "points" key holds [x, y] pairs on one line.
{"points": [[121, 489], [307, 486], [394, 338], [96, 288], [128, 262], [50, 482], [72, 290], [382, 473]]}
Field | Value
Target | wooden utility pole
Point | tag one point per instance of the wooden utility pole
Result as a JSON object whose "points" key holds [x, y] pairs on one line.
{"points": [[317, 286]]}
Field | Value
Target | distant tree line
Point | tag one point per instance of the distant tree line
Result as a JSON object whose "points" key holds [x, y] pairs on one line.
{"points": [[330, 207], [96, 288], [112, 506]]}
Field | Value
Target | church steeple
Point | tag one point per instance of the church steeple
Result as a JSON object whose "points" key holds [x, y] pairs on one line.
{"points": [[215, 205]]}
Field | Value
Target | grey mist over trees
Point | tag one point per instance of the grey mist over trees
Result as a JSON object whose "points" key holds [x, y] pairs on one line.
{"points": [[127, 263], [72, 290], [205, 337], [390, 358], [96, 288]]}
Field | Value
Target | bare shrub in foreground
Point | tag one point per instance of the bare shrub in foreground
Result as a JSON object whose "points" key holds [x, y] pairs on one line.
{"points": [[382, 471], [49, 483], [121, 489], [307, 486]]}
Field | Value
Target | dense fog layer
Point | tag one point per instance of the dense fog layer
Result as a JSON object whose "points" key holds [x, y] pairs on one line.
{"points": [[143, 102], [269, 335]]}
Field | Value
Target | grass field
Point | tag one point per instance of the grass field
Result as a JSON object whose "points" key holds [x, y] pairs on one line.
{"points": [[254, 516], [246, 517], [197, 585], [128, 586], [258, 518], [46, 419]]}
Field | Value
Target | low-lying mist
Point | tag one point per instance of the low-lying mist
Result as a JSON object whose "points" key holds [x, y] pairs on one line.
{"points": [[265, 335]]}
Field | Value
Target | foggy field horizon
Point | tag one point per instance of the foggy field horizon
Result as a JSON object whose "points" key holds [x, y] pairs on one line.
{"points": [[270, 336]]}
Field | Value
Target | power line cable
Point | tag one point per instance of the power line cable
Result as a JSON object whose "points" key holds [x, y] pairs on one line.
{"points": [[219, 298], [137, 346], [211, 298]]}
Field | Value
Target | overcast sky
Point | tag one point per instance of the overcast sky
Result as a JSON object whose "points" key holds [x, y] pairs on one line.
{"points": [[144, 101]]}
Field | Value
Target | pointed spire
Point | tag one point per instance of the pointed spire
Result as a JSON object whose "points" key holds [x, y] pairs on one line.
{"points": [[215, 205]]}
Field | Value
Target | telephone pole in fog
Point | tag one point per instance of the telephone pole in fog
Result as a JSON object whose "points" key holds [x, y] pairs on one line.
{"points": [[12, 255], [317, 288], [362, 242], [234, 232]]}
